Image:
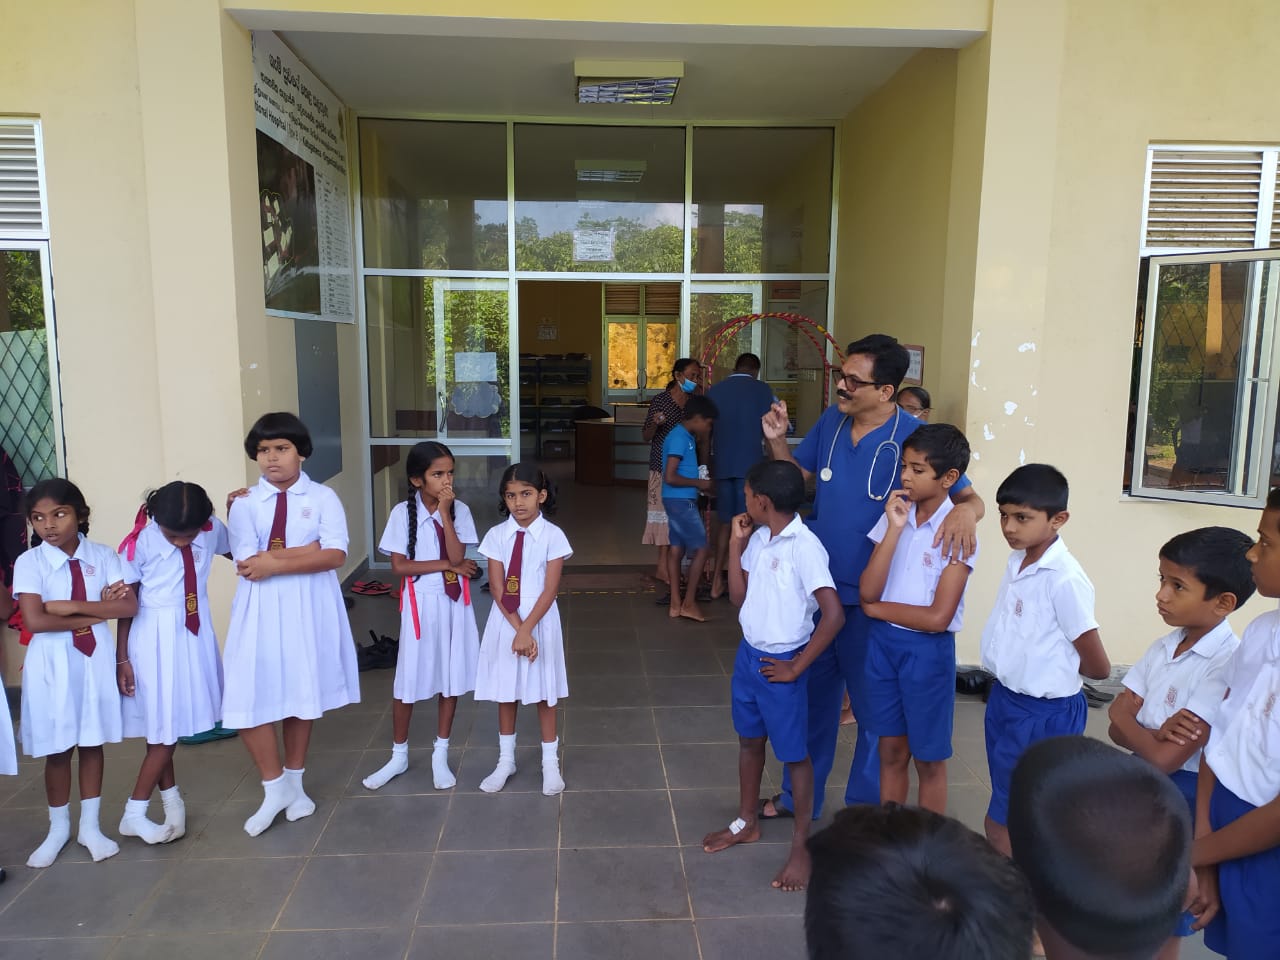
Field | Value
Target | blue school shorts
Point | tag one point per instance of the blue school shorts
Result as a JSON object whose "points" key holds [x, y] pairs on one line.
{"points": [[684, 524], [911, 688], [731, 498], [1248, 924], [1014, 722], [778, 711], [1186, 782]]}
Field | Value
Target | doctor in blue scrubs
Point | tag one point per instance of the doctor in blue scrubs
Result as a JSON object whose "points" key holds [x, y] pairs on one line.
{"points": [[855, 453]]}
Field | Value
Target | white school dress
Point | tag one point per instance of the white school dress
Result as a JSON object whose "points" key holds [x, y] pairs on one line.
{"points": [[439, 656], [8, 750], [177, 676], [289, 651], [68, 699], [502, 676]]}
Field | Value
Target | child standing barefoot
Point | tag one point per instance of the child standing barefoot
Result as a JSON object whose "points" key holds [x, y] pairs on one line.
{"points": [[426, 537], [69, 696], [168, 666], [522, 652], [289, 653]]}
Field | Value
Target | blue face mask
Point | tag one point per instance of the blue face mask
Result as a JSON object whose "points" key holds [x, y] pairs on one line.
{"points": [[688, 386]]}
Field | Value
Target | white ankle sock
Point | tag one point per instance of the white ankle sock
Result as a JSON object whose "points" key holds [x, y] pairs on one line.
{"points": [[91, 837], [397, 765], [175, 811], [135, 823], [506, 764], [441, 775], [552, 782], [277, 795], [59, 834], [302, 806]]}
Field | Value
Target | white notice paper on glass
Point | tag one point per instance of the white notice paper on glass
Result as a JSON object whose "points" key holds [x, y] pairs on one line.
{"points": [[475, 367], [593, 246]]}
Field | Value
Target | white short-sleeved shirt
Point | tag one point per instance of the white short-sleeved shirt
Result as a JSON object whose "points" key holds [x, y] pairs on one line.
{"points": [[1244, 744], [543, 542], [784, 572], [917, 564], [314, 514], [45, 572], [395, 536], [1029, 639], [157, 564], [1195, 681]]}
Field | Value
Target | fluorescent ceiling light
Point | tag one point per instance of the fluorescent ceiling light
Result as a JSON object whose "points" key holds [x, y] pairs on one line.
{"points": [[609, 171], [646, 82]]}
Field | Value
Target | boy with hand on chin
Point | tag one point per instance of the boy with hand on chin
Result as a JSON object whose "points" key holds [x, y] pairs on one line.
{"points": [[779, 576], [914, 595]]}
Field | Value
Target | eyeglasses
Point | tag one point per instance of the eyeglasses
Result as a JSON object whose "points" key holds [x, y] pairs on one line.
{"points": [[914, 411], [840, 377]]}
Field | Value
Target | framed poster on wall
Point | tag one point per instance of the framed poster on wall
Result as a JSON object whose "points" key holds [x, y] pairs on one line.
{"points": [[915, 370]]}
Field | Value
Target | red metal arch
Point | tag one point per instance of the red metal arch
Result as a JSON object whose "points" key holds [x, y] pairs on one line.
{"points": [[814, 332]]}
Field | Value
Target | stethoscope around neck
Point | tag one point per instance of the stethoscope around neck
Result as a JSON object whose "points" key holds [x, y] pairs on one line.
{"points": [[892, 444]]}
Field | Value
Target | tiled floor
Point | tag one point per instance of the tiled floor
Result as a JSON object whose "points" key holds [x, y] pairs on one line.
{"points": [[611, 869]]}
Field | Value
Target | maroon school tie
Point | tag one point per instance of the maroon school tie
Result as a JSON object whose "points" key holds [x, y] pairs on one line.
{"points": [[511, 592], [452, 588], [189, 588], [81, 639], [277, 523]]}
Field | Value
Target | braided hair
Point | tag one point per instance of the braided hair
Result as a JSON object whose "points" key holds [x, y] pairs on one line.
{"points": [[62, 492], [421, 457]]}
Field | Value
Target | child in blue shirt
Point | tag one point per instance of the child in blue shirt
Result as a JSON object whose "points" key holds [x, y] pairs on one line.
{"points": [[681, 482], [914, 595]]}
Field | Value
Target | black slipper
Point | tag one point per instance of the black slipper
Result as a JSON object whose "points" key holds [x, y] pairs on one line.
{"points": [[1096, 697], [779, 811], [664, 600]]}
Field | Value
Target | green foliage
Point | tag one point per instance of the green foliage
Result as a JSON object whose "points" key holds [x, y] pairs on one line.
{"points": [[23, 288]]}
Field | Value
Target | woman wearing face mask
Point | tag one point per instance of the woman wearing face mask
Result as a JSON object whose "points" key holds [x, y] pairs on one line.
{"points": [[665, 411]]}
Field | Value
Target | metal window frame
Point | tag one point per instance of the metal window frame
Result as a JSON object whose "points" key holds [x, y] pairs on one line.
{"points": [[1256, 416], [687, 278]]}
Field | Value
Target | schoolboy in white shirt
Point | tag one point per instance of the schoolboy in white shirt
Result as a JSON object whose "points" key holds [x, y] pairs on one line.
{"points": [[780, 577], [914, 595], [1041, 635]]}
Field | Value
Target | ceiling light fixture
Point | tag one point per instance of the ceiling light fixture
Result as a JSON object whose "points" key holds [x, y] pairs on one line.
{"points": [[647, 82]]}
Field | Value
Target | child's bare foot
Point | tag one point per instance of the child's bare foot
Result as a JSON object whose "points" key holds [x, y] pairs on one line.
{"points": [[691, 611], [794, 875], [735, 833], [674, 612], [847, 718], [718, 588]]}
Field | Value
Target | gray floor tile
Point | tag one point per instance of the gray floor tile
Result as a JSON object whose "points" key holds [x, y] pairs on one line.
{"points": [[484, 726], [968, 803], [72, 898], [378, 944], [599, 818], [609, 692], [223, 836], [384, 825], [357, 891], [343, 730], [213, 895], [199, 816], [203, 946], [494, 941], [665, 662], [752, 937], [600, 636], [701, 765], [97, 948], [698, 812], [633, 767], [612, 726], [637, 940], [736, 882], [690, 691], [213, 777], [516, 886], [501, 821], [695, 725], [635, 883], [417, 780], [604, 663], [478, 762]]}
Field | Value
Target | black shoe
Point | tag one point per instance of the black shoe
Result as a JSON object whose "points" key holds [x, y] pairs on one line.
{"points": [[664, 600], [1097, 697]]}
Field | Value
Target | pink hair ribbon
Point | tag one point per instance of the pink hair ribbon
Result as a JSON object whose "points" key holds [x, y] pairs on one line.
{"points": [[129, 545]]}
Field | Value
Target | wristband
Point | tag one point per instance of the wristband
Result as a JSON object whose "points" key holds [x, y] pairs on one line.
{"points": [[125, 660]]}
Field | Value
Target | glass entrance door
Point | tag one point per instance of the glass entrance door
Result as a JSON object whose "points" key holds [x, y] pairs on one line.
{"points": [[711, 306]]}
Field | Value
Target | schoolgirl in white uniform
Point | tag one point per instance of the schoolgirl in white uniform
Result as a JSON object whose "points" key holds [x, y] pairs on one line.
{"points": [[168, 666], [426, 537], [289, 654], [522, 651], [66, 588]]}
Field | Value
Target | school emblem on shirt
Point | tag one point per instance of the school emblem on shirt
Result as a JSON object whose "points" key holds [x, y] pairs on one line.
{"points": [[1017, 608], [774, 564], [191, 603], [927, 559], [1269, 706], [89, 571], [1171, 698], [306, 513], [451, 577]]}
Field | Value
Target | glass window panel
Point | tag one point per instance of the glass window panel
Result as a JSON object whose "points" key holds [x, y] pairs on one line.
{"points": [[28, 432], [599, 199], [477, 367], [400, 325], [708, 314], [623, 356], [434, 194], [762, 200], [660, 345]]}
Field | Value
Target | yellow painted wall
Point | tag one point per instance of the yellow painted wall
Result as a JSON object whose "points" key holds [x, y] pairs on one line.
{"points": [[895, 186], [576, 310], [1077, 91]]}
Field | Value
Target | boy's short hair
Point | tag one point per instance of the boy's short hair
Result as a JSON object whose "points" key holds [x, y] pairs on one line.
{"points": [[889, 359], [944, 447], [700, 406], [1035, 485], [747, 363], [1104, 839], [278, 426], [779, 480], [1216, 555], [1273, 499], [892, 881]]}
